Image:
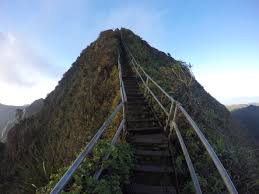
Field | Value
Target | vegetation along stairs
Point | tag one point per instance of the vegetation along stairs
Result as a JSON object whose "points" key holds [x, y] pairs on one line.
{"points": [[152, 171], [149, 137]]}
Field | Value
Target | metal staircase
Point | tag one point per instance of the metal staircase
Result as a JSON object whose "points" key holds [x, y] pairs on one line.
{"points": [[149, 137]]}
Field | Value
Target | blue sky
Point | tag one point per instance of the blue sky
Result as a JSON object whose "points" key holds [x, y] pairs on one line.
{"points": [[40, 39]]}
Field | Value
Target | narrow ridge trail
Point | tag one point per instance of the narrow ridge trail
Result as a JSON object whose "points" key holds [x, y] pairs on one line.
{"points": [[152, 172]]}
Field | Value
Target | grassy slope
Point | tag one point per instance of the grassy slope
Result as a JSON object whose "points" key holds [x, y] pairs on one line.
{"points": [[248, 115], [227, 137], [39, 145]]}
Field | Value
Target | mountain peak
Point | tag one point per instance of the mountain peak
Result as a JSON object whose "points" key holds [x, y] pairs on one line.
{"points": [[86, 95]]}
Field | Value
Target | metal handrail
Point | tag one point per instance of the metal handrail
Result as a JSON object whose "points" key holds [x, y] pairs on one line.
{"points": [[169, 122], [222, 171], [69, 173], [147, 76], [188, 159], [114, 141]]}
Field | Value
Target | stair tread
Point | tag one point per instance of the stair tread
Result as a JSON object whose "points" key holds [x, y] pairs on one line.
{"points": [[150, 189], [143, 112], [148, 138], [142, 120], [137, 108], [153, 168], [145, 129], [137, 103], [151, 152]]}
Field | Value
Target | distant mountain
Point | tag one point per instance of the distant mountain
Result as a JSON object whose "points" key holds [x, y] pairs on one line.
{"points": [[41, 144], [239, 106], [34, 108], [242, 100], [248, 115], [7, 113], [8, 116]]}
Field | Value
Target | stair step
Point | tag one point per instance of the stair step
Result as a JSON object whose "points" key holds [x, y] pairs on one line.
{"points": [[136, 98], [148, 139], [137, 102], [149, 189], [129, 77], [152, 168], [142, 120], [130, 94], [146, 130], [132, 85], [152, 178], [151, 153], [142, 113], [132, 89], [138, 108], [140, 116]]}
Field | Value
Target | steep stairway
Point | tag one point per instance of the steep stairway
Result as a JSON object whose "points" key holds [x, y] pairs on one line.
{"points": [[152, 172]]}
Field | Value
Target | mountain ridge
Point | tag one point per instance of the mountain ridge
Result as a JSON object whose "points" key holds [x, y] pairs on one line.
{"points": [[248, 116], [71, 113], [42, 144], [27, 111]]}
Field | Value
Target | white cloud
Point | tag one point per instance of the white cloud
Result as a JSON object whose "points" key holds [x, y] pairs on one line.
{"points": [[24, 75], [226, 85]]}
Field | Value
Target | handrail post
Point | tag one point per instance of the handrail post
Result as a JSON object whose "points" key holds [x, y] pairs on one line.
{"points": [[69, 173], [174, 117], [124, 118], [147, 81], [113, 142], [193, 174], [222, 171], [169, 118], [123, 96], [175, 111]]}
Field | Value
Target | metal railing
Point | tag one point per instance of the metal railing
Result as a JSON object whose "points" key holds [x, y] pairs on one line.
{"points": [[175, 107], [72, 169]]}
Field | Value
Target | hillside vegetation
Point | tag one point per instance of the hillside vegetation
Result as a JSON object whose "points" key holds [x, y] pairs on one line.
{"points": [[40, 145], [47, 142], [248, 116], [10, 115], [7, 113], [230, 140]]}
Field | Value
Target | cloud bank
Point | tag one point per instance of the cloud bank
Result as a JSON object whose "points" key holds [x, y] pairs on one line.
{"points": [[23, 69], [20, 64]]}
